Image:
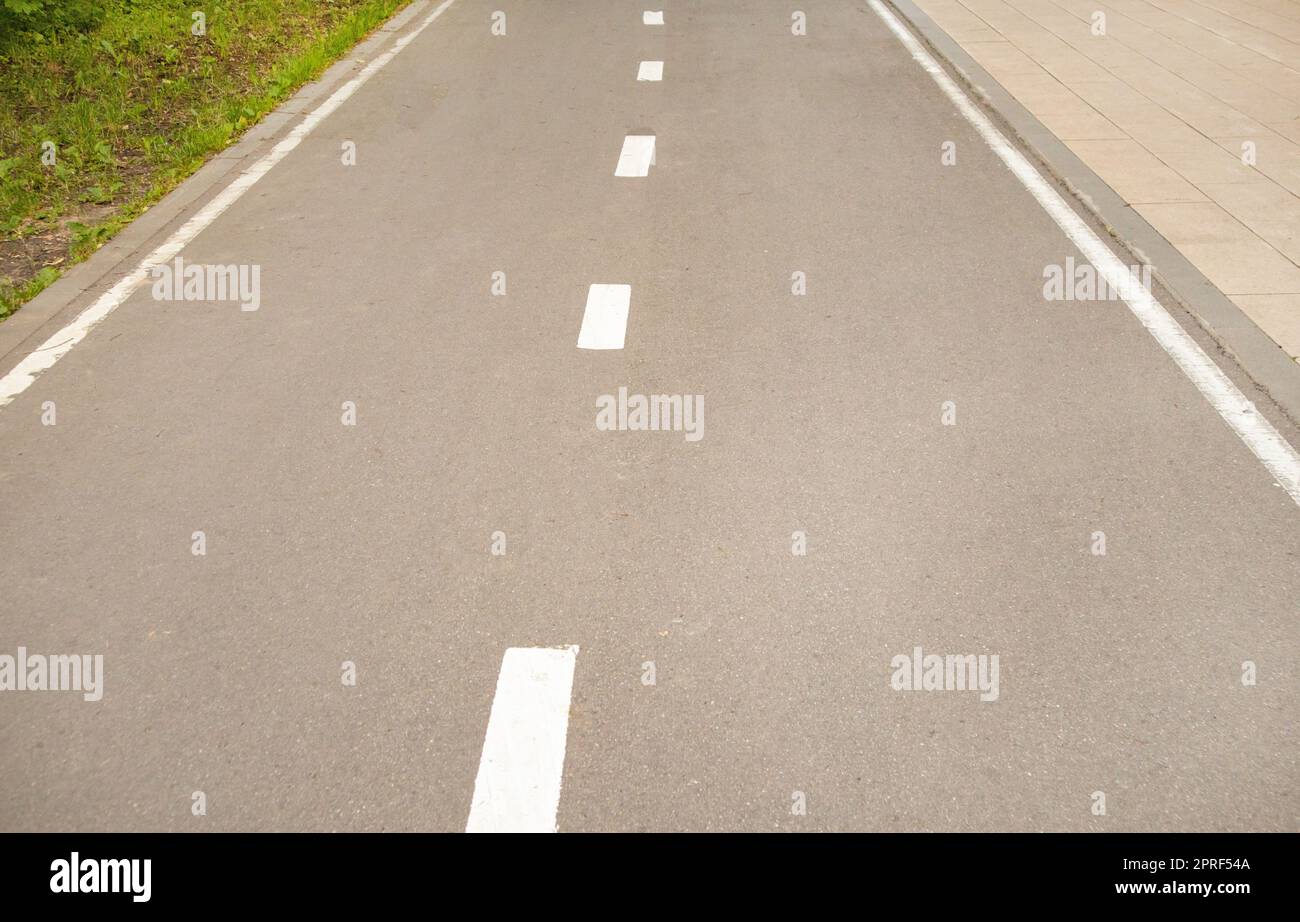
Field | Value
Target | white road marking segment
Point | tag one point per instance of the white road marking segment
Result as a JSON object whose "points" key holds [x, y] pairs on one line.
{"points": [[637, 155], [653, 17], [1260, 436], [604, 322], [60, 344], [519, 775], [650, 70]]}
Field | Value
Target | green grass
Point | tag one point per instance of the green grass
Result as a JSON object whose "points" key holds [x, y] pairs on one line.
{"points": [[135, 103]]}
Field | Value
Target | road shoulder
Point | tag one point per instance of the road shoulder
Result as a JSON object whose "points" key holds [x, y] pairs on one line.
{"points": [[1261, 358], [75, 289]]}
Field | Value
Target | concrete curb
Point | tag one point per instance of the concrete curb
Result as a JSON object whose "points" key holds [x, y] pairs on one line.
{"points": [[1263, 360], [79, 286]]}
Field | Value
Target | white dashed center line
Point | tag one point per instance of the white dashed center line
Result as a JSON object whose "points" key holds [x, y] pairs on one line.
{"points": [[653, 17], [650, 70], [519, 775], [604, 322], [637, 156]]}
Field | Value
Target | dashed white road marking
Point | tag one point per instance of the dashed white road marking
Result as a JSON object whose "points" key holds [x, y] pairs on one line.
{"points": [[519, 775], [61, 343], [653, 17], [637, 156], [604, 322], [650, 70], [1257, 432]]}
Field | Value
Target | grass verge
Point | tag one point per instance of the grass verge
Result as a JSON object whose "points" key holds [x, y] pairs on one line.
{"points": [[103, 113]]}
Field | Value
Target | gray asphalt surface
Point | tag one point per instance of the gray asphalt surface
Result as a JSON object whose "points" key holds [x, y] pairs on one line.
{"points": [[327, 543]]}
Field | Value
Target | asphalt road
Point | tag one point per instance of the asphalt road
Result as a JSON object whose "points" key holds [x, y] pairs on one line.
{"points": [[476, 413]]}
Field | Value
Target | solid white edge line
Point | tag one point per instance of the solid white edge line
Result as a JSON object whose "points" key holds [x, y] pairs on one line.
{"points": [[1257, 432], [517, 788], [43, 357]]}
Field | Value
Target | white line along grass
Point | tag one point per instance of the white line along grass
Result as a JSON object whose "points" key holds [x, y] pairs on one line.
{"points": [[604, 322], [637, 155], [519, 775], [61, 343], [1257, 432], [652, 71], [653, 17]]}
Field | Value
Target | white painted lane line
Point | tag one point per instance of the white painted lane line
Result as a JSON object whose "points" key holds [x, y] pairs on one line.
{"points": [[519, 775], [1257, 432], [653, 17], [604, 322], [61, 343], [650, 70], [637, 156]]}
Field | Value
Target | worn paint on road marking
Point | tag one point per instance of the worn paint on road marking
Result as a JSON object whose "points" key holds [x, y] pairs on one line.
{"points": [[519, 775], [637, 155], [1258, 433], [653, 17], [604, 322], [650, 70], [61, 343]]}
